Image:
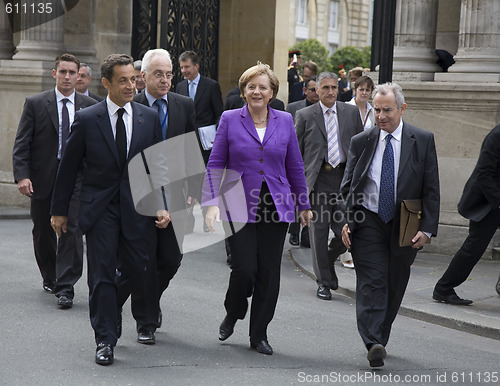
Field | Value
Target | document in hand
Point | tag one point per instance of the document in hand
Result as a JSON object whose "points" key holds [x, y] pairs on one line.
{"points": [[207, 136]]}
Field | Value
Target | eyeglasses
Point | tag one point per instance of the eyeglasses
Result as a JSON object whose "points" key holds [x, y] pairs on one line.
{"points": [[159, 75]]}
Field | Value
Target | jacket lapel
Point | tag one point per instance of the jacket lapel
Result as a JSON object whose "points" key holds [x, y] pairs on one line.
{"points": [[138, 120], [320, 121], [104, 124], [200, 90], [272, 124], [52, 110], [246, 121], [407, 143]]}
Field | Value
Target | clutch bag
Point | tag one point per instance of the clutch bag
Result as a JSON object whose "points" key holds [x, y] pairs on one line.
{"points": [[411, 214]]}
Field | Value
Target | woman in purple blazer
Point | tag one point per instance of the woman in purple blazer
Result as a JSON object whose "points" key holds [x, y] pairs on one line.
{"points": [[256, 149]]}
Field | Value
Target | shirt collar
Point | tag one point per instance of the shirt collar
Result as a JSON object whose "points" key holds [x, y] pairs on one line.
{"points": [[324, 108], [113, 107], [60, 96], [151, 99], [396, 134], [196, 80]]}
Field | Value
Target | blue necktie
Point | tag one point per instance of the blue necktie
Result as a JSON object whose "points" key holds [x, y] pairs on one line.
{"points": [[386, 205], [162, 116], [191, 90]]}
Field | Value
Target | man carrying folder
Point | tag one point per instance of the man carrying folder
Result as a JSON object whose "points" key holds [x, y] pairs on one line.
{"points": [[392, 162]]}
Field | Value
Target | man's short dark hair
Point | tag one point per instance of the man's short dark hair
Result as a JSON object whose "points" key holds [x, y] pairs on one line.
{"points": [[66, 58], [312, 78], [189, 55], [114, 60]]}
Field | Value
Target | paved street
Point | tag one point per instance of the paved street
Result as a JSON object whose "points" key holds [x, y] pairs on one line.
{"points": [[315, 341]]}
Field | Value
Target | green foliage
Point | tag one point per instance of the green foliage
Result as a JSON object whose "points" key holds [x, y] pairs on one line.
{"points": [[312, 49], [350, 57]]}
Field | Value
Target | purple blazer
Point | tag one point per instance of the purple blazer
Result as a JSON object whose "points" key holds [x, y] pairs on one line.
{"points": [[247, 162]]}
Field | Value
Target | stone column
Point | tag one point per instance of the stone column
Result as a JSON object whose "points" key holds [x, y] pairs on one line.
{"points": [[479, 38], [6, 45], [42, 42], [415, 38]]}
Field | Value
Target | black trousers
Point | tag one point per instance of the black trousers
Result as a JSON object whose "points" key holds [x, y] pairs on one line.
{"points": [[164, 260], [256, 252], [60, 262], [381, 277], [69, 259], [115, 267], [480, 235]]}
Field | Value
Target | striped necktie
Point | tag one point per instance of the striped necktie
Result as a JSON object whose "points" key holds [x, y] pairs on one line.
{"points": [[332, 139]]}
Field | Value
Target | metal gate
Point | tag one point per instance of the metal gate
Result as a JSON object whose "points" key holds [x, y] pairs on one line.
{"points": [[183, 25]]}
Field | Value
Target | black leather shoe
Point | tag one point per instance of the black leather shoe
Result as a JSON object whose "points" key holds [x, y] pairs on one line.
{"points": [[48, 287], [226, 328], [262, 346], [119, 324], [497, 287], [376, 355], [104, 354], [146, 337], [451, 299], [64, 302], [294, 239], [160, 319], [323, 293]]}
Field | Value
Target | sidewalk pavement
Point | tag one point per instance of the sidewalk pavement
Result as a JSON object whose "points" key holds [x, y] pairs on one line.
{"points": [[481, 318]]}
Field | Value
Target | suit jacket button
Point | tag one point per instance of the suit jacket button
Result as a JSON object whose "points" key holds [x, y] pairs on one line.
{"points": [[261, 172], [261, 160], [261, 148]]}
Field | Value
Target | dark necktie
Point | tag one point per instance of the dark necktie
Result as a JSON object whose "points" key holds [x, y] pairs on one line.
{"points": [[386, 205], [121, 138], [162, 116], [64, 125]]}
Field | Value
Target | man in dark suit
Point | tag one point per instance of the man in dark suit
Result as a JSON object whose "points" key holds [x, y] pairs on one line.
{"points": [[106, 136], [480, 203], [297, 89], [83, 82], [311, 98], [324, 131], [41, 136], [392, 162], [208, 104], [177, 117], [203, 91]]}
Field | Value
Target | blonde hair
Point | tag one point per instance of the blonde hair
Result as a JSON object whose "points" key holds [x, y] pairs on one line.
{"points": [[259, 69]]}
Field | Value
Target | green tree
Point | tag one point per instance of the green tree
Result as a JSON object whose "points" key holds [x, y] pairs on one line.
{"points": [[312, 49], [350, 57]]}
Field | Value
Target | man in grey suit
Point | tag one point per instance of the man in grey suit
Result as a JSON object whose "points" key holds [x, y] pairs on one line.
{"points": [[38, 148], [83, 82], [392, 162], [177, 117], [324, 132]]}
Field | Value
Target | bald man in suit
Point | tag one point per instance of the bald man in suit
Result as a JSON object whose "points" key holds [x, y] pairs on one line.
{"points": [[392, 162]]}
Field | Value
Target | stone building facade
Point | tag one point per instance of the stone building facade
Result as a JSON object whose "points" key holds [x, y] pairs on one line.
{"points": [[459, 106]]}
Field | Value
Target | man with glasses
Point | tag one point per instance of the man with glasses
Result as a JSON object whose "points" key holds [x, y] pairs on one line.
{"points": [[177, 117]]}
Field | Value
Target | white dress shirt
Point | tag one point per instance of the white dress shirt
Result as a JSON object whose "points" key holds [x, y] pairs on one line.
{"points": [[127, 118]]}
